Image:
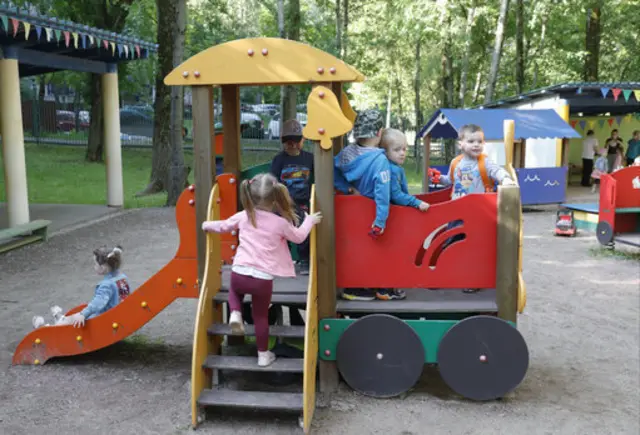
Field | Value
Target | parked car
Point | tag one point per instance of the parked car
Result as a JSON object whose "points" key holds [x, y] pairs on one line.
{"points": [[66, 120], [273, 131], [251, 126], [135, 123]]}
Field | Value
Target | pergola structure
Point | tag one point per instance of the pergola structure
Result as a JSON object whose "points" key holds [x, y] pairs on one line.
{"points": [[32, 44]]}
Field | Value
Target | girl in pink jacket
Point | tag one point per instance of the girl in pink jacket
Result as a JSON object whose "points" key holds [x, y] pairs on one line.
{"points": [[265, 225]]}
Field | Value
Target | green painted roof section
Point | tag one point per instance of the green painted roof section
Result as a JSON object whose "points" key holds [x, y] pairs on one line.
{"points": [[60, 25]]}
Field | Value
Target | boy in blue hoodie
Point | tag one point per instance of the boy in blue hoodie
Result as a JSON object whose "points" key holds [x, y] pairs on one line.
{"points": [[365, 167]]}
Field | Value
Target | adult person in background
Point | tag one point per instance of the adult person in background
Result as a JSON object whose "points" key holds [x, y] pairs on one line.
{"points": [[613, 145], [589, 148], [633, 149]]}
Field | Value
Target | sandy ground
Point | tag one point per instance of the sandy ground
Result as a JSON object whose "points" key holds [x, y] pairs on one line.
{"points": [[581, 325]]}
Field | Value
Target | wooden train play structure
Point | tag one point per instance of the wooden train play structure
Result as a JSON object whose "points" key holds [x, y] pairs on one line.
{"points": [[616, 217], [378, 348]]}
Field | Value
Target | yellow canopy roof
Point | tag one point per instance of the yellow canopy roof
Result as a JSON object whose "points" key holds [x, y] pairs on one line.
{"points": [[261, 61]]}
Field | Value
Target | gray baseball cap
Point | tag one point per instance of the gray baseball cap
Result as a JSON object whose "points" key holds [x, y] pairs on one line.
{"points": [[368, 124], [291, 128]]}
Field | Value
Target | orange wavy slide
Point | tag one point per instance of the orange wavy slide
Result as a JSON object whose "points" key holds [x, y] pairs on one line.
{"points": [[177, 279]]}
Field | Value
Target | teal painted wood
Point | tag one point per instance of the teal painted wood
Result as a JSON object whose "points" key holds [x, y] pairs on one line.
{"points": [[429, 331]]}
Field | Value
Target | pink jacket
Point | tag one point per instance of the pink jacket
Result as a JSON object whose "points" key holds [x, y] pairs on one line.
{"points": [[265, 247]]}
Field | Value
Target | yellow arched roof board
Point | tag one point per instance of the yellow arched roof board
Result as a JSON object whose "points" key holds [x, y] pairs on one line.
{"points": [[261, 61]]}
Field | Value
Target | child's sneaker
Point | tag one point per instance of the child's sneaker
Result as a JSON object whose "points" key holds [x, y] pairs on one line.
{"points": [[593, 188], [56, 312], [358, 294], [37, 321], [236, 323], [390, 294], [266, 358]]}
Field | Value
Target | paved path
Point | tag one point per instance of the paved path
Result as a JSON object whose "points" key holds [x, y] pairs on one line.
{"points": [[581, 325]]}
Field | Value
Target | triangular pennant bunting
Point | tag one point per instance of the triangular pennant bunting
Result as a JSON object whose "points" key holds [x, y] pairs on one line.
{"points": [[138, 53], [626, 93], [48, 32], [119, 50], [628, 117], [5, 23], [98, 42], [637, 94], [106, 44], [601, 123], [16, 25], [604, 91], [57, 34], [90, 40], [579, 91], [83, 41], [75, 39], [27, 29], [619, 120], [38, 31], [573, 123], [67, 38], [126, 50], [610, 121], [583, 123], [592, 124], [113, 48], [616, 93]]}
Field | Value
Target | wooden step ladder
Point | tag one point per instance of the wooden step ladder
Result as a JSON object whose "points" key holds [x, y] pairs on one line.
{"points": [[209, 331]]}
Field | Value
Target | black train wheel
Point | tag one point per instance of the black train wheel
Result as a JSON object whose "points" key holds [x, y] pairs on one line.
{"points": [[380, 355], [604, 233], [483, 358]]}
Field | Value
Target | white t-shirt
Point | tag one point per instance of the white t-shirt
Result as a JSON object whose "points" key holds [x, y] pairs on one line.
{"points": [[588, 147]]}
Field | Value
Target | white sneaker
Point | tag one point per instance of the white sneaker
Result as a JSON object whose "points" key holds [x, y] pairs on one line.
{"points": [[37, 321], [266, 358], [593, 189], [236, 323], [56, 312]]}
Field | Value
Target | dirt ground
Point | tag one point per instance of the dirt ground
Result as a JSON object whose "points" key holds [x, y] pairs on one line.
{"points": [[581, 325]]}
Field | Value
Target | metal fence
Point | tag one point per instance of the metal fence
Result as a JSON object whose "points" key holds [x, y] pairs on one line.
{"points": [[58, 115]]}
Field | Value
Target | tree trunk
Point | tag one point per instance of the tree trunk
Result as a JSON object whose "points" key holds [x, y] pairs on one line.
{"points": [[95, 147], [539, 51], [338, 29], [387, 123], [168, 171], [467, 53], [446, 61], [292, 23], [345, 29], [417, 81], [497, 51], [519, 46], [402, 126], [476, 88], [282, 34], [592, 43]]}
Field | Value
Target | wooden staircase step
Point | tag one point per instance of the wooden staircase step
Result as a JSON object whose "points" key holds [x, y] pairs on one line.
{"points": [[274, 331], [251, 399], [293, 299], [250, 363]]}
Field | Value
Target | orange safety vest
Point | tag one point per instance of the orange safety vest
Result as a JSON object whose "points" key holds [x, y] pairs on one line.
{"points": [[489, 186]]}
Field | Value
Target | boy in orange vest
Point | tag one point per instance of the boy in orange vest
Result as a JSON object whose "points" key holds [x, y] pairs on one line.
{"points": [[472, 172]]}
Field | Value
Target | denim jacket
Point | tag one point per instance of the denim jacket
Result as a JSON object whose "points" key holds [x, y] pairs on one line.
{"points": [[113, 288]]}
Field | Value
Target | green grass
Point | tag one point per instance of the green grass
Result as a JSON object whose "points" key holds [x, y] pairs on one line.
{"points": [[606, 252], [60, 175]]}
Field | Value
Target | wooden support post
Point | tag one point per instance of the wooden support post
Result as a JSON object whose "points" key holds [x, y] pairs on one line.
{"points": [[212, 121], [509, 131], [426, 162], [508, 239], [565, 158], [204, 171], [111, 137], [231, 128], [338, 142], [326, 248], [15, 167]]}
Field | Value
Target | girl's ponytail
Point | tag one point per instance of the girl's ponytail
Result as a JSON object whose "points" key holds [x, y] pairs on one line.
{"points": [[284, 204], [247, 201]]}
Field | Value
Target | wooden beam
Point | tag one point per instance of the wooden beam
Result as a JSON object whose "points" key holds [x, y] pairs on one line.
{"points": [[325, 254], [338, 142], [212, 122], [508, 239], [204, 173], [426, 162], [231, 128]]}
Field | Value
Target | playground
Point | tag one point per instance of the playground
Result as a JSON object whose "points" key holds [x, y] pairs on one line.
{"points": [[581, 330]]}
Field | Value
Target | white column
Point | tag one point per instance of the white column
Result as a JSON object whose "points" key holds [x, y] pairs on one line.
{"points": [[111, 137], [15, 169]]}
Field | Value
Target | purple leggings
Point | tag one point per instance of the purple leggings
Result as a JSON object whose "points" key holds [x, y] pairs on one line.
{"points": [[260, 291]]}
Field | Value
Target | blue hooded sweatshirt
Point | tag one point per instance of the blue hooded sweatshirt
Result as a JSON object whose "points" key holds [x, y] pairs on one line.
{"points": [[107, 294], [368, 170], [400, 188]]}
